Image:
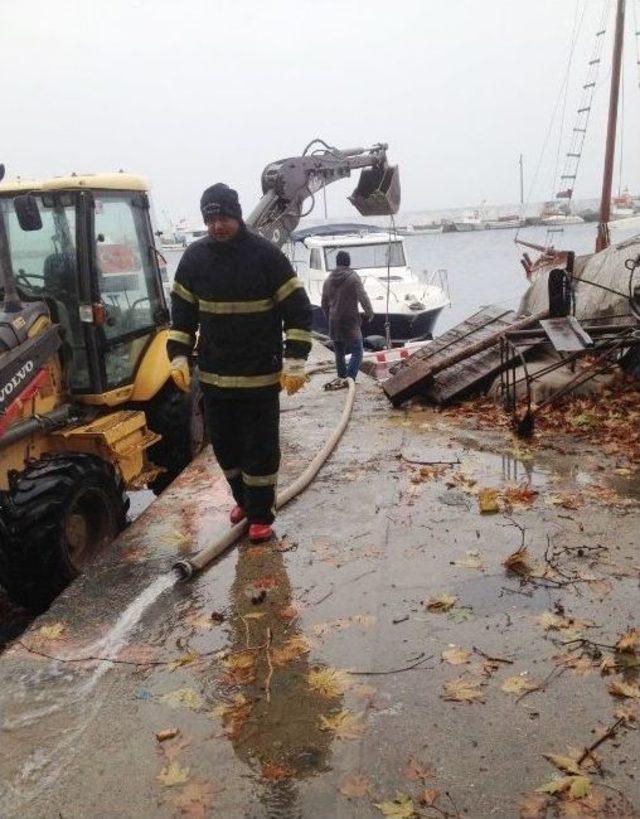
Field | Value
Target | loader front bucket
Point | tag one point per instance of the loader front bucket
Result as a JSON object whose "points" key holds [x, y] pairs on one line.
{"points": [[378, 191]]}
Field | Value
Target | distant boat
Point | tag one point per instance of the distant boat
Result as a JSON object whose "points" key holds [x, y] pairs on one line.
{"points": [[556, 214], [504, 223], [473, 220], [425, 227]]}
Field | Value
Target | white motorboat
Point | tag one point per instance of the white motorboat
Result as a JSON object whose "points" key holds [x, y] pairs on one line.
{"points": [[411, 302], [555, 214]]}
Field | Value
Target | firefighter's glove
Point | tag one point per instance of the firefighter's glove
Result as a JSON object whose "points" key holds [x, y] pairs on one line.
{"points": [[293, 377], [180, 373]]}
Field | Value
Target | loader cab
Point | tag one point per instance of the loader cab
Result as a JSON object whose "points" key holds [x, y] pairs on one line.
{"points": [[94, 263]]}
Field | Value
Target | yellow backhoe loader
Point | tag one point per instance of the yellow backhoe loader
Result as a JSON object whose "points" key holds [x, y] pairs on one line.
{"points": [[87, 406]]}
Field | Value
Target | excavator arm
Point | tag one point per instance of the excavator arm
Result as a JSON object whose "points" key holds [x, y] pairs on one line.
{"points": [[288, 183]]}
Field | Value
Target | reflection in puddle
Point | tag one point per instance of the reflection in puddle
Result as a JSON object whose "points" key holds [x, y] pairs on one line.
{"points": [[276, 729]]}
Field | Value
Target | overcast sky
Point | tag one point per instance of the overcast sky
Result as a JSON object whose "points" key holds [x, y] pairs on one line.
{"points": [[189, 93]]}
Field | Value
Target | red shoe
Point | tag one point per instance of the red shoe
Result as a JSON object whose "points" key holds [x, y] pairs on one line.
{"points": [[237, 514], [259, 532]]}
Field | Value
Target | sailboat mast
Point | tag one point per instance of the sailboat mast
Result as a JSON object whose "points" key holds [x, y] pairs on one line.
{"points": [[602, 239]]}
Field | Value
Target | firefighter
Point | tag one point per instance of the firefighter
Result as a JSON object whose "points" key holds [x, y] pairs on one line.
{"points": [[240, 291]]}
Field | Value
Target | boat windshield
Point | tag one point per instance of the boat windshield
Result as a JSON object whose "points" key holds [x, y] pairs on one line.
{"points": [[385, 255]]}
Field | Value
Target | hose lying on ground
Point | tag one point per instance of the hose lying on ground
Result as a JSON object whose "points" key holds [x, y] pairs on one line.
{"points": [[188, 567]]}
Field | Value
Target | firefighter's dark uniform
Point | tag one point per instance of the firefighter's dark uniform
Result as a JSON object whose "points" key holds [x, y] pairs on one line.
{"points": [[241, 294]]}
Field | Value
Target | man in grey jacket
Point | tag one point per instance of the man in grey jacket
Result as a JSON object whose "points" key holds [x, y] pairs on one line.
{"points": [[342, 292]]}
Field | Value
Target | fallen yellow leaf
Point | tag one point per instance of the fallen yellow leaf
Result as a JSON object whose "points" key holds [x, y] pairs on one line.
{"points": [[441, 603], [328, 682], [184, 660], [580, 787], [456, 655], [518, 684], [294, 648], [629, 641], [622, 689], [464, 689], [471, 560], [187, 697], [173, 774], [564, 763], [52, 632], [488, 501], [558, 785], [345, 725], [401, 807]]}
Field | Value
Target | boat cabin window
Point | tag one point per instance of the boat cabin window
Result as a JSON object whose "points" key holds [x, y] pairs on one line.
{"points": [[389, 254], [315, 259]]}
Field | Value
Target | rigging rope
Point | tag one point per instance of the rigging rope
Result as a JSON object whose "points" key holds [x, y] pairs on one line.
{"points": [[552, 120]]}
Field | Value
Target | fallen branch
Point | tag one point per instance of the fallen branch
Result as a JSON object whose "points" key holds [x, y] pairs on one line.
{"points": [[608, 734], [490, 658], [267, 682], [419, 661]]}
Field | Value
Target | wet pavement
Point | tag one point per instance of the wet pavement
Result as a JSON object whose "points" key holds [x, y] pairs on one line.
{"points": [[306, 678]]}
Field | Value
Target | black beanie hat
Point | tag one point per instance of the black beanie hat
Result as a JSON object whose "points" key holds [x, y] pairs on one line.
{"points": [[220, 200], [343, 259]]}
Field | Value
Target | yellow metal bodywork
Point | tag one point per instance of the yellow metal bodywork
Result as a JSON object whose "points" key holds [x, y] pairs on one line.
{"points": [[96, 181], [119, 437], [48, 398], [152, 374]]}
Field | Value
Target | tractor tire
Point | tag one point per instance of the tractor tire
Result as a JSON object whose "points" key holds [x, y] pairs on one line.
{"points": [[179, 418], [61, 511]]}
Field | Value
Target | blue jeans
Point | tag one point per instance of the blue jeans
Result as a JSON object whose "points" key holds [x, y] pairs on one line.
{"points": [[355, 350]]}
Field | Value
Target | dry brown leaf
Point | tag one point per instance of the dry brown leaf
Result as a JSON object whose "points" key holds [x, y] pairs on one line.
{"points": [[520, 495], [328, 682], [629, 641], [401, 807], [454, 655], [519, 562], [52, 632], [356, 787], [488, 501], [291, 650], [173, 774], [417, 770], [277, 772], [471, 560], [195, 799], [183, 697], [441, 603], [429, 796], [464, 689], [624, 690], [168, 733], [533, 806], [607, 665], [519, 684], [344, 724]]}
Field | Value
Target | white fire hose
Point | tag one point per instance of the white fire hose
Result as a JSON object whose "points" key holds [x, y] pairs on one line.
{"points": [[189, 566]]}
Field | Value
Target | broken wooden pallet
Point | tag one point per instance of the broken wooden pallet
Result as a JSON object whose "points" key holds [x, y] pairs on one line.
{"points": [[461, 359]]}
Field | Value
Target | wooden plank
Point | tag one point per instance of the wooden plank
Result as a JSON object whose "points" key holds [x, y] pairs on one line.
{"points": [[487, 327]]}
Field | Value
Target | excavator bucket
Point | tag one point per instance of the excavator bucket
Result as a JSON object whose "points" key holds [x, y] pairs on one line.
{"points": [[378, 191]]}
